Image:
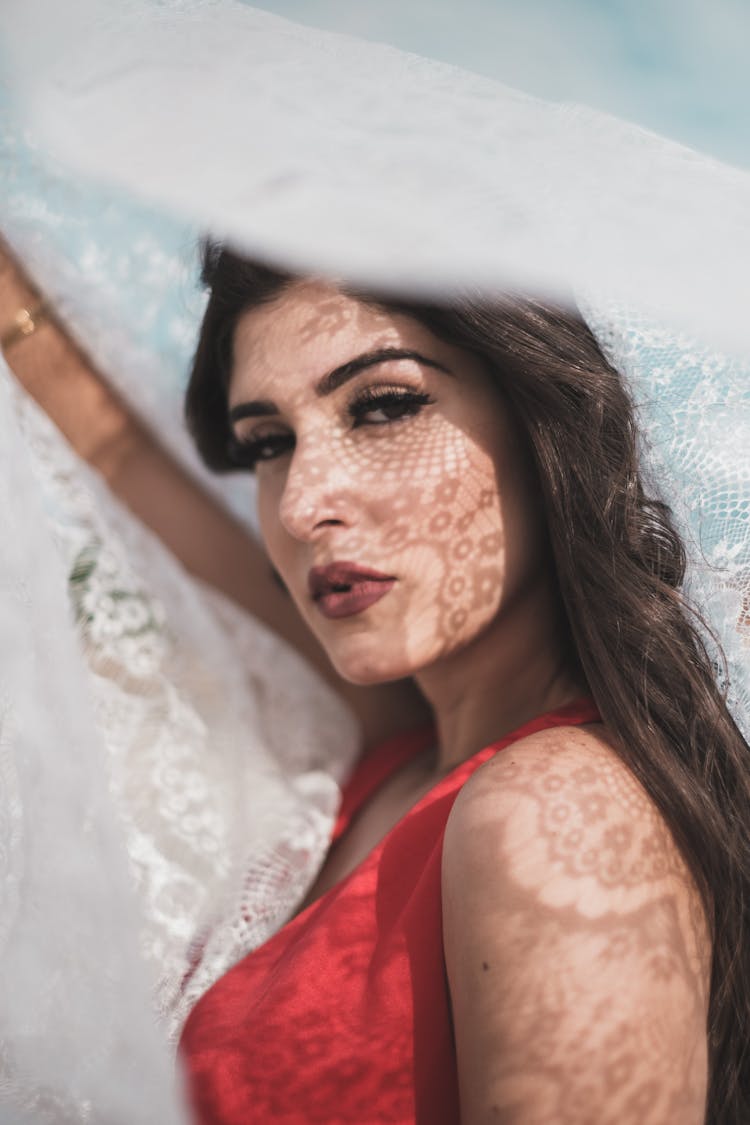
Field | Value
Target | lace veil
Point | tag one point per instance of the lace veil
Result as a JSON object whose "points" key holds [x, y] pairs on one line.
{"points": [[219, 750]]}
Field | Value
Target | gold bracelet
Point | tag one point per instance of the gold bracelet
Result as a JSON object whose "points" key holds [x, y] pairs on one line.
{"points": [[24, 323]]}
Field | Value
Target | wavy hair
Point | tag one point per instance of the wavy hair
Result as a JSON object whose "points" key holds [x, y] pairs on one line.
{"points": [[620, 565]]}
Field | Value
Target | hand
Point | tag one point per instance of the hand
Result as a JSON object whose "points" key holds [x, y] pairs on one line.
{"points": [[57, 373]]}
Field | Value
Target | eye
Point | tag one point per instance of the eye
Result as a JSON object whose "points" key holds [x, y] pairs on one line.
{"points": [[248, 451], [377, 406]]}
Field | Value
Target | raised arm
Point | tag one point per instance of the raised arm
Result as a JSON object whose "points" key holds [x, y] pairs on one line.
{"points": [[55, 370], [575, 943]]}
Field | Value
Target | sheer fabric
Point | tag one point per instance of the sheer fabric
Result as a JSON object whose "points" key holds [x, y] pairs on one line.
{"points": [[215, 756], [375, 165], [324, 152], [71, 978], [224, 748], [693, 409]]}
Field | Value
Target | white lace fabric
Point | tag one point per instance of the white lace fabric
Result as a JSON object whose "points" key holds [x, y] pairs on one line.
{"points": [[225, 748], [327, 153], [693, 410], [222, 752], [71, 978], [193, 750]]}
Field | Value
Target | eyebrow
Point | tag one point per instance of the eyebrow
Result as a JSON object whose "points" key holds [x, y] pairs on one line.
{"points": [[336, 378]]}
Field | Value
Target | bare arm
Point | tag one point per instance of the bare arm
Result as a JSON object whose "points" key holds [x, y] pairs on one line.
{"points": [[206, 539], [575, 943]]}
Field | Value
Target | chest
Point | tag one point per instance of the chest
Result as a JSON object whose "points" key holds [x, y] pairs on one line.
{"points": [[347, 1006], [378, 814]]}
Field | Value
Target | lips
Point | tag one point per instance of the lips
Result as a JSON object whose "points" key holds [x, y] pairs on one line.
{"points": [[344, 589]]}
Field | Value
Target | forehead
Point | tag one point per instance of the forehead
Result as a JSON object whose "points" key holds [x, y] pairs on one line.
{"points": [[308, 330]]}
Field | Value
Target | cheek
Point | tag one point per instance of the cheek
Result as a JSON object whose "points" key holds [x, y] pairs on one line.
{"points": [[426, 470], [268, 497], [462, 501], [468, 530], [445, 530], [472, 547], [435, 500]]}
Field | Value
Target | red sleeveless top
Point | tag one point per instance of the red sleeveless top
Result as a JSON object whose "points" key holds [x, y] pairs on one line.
{"points": [[343, 1016]]}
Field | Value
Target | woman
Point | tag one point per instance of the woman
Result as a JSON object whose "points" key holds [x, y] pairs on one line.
{"points": [[403, 144], [534, 910], [196, 709]]}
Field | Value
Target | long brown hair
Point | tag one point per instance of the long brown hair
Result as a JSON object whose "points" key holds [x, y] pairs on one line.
{"points": [[620, 564]]}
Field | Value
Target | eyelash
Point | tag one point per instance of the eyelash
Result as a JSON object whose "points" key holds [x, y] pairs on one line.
{"points": [[247, 452], [380, 398]]}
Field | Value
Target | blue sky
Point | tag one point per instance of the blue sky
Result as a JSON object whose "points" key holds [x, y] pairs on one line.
{"points": [[679, 67]]}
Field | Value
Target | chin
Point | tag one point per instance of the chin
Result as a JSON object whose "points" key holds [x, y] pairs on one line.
{"points": [[366, 668]]}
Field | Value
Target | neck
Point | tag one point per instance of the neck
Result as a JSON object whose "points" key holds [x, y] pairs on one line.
{"points": [[515, 669]]}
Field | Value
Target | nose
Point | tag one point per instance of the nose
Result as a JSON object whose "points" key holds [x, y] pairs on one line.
{"points": [[317, 493]]}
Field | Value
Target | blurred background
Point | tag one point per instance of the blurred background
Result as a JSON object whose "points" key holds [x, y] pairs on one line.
{"points": [[678, 67]]}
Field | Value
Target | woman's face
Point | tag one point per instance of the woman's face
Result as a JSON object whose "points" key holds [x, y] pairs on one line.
{"points": [[394, 499]]}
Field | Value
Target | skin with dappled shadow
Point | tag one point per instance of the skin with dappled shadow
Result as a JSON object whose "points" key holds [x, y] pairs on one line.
{"points": [[593, 1006], [576, 945]]}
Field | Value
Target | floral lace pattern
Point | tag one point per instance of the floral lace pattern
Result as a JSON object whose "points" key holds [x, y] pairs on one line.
{"points": [[75, 987], [694, 414], [116, 622], [221, 751], [225, 748]]}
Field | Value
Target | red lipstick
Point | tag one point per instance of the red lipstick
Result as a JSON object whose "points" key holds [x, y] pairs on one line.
{"points": [[344, 589]]}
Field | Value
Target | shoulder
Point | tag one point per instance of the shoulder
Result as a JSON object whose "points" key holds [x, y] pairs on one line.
{"points": [[572, 929], [561, 812]]}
